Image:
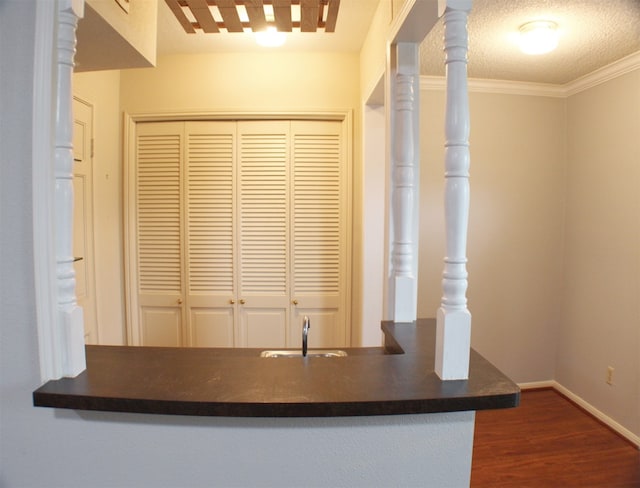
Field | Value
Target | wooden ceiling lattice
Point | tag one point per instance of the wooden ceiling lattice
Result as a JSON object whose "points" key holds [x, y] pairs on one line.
{"points": [[210, 16]]}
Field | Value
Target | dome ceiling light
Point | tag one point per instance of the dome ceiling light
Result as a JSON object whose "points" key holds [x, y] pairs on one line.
{"points": [[538, 37], [270, 37]]}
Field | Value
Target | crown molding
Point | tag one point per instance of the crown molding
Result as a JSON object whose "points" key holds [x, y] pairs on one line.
{"points": [[617, 68], [505, 87]]}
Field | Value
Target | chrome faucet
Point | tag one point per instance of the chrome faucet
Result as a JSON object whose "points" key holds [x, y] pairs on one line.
{"points": [[306, 325]]}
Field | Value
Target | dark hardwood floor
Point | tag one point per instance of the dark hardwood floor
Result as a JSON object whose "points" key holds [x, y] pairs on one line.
{"points": [[548, 442]]}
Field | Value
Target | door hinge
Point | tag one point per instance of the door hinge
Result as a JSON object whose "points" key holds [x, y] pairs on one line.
{"points": [[92, 144]]}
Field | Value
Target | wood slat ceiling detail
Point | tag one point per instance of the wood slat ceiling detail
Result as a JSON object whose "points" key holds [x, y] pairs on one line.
{"points": [[314, 15]]}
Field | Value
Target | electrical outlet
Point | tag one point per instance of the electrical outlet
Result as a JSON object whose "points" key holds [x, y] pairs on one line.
{"points": [[610, 371]]}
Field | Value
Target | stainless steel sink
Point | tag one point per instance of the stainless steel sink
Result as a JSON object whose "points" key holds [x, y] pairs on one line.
{"points": [[311, 353]]}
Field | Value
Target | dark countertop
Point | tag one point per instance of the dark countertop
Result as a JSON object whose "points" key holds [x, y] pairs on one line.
{"points": [[396, 379]]}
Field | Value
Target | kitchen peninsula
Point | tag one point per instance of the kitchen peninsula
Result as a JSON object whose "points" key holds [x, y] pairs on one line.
{"points": [[398, 378]]}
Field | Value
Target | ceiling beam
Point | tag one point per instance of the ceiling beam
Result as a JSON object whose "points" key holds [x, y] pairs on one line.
{"points": [[230, 15], [255, 11], [309, 10], [332, 16], [282, 13], [179, 14], [201, 12]]}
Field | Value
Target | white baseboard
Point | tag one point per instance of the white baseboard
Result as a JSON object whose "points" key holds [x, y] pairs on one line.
{"points": [[608, 421], [533, 385]]}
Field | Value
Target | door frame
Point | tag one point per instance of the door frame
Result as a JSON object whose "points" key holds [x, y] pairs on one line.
{"points": [[90, 315], [133, 335]]}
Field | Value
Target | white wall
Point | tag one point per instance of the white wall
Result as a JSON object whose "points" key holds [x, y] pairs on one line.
{"points": [[102, 90], [42, 447], [374, 199], [130, 450], [373, 59], [601, 299], [255, 81], [554, 237], [515, 228]]}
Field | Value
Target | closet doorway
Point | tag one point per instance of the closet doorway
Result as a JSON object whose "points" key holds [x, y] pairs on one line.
{"points": [[83, 240], [237, 229]]}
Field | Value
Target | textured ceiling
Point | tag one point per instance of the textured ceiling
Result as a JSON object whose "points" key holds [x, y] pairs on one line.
{"points": [[593, 33]]}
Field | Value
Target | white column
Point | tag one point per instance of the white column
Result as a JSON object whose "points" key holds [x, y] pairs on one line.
{"points": [[453, 337], [69, 320], [405, 177]]}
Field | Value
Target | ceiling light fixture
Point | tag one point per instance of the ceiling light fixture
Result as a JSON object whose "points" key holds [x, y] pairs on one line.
{"points": [[538, 37], [270, 37]]}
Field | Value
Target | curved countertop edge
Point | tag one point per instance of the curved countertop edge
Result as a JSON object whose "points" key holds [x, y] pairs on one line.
{"points": [[395, 380]]}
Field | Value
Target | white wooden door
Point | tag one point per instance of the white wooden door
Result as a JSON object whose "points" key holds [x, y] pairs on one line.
{"points": [[263, 233], [319, 233], [210, 259], [83, 248], [160, 275]]}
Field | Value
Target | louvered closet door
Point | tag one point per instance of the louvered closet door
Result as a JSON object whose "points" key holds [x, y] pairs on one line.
{"points": [[210, 260], [158, 215], [319, 231], [263, 230]]}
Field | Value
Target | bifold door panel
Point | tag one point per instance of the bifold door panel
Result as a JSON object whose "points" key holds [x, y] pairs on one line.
{"points": [[241, 231]]}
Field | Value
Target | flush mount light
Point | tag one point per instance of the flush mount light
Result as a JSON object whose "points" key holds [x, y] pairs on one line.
{"points": [[270, 37], [538, 37]]}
